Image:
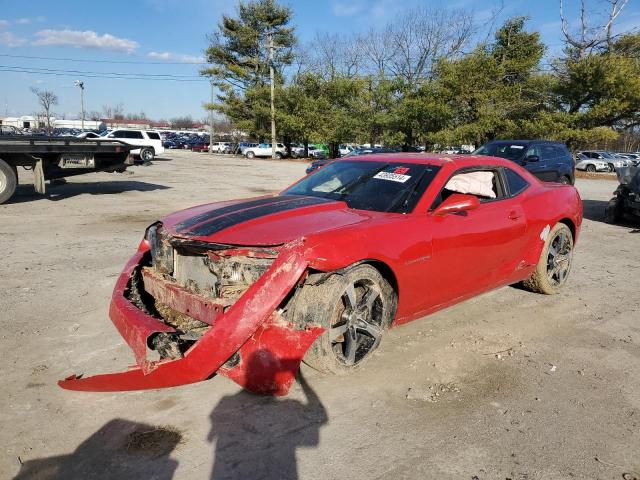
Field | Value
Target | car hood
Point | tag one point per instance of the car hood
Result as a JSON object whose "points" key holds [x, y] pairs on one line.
{"points": [[272, 220]]}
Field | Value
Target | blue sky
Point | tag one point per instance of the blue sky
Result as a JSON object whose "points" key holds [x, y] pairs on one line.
{"points": [[150, 36]]}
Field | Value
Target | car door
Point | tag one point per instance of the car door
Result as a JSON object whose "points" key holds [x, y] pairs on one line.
{"points": [[550, 160], [476, 251], [135, 137], [536, 163]]}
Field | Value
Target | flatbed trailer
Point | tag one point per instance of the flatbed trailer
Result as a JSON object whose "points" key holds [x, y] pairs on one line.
{"points": [[57, 157]]}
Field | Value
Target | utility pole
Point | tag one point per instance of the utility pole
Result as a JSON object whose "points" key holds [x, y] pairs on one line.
{"points": [[273, 91], [80, 84], [211, 121]]}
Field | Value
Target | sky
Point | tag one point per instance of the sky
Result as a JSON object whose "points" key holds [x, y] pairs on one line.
{"points": [[165, 40]]}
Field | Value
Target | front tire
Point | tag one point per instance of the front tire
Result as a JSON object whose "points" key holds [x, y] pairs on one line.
{"points": [[278, 155], [555, 262], [8, 181], [591, 168], [611, 168], [355, 308]]}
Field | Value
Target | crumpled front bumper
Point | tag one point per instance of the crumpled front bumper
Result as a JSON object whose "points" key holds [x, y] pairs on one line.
{"points": [[270, 349]]}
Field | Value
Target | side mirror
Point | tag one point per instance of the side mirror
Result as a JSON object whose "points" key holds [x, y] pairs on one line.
{"points": [[532, 158], [457, 203]]}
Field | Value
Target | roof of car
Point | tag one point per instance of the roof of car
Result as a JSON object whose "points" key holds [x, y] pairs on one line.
{"points": [[431, 159], [498, 140]]}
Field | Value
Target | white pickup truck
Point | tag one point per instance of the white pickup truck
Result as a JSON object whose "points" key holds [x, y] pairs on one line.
{"points": [[264, 150], [148, 141]]}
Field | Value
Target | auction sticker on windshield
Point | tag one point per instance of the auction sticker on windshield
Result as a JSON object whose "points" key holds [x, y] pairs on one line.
{"points": [[394, 177]]}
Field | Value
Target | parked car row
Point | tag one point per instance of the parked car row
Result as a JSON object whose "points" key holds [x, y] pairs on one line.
{"points": [[603, 161]]}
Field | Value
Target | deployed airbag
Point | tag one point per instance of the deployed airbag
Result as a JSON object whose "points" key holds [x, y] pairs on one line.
{"points": [[474, 183]]}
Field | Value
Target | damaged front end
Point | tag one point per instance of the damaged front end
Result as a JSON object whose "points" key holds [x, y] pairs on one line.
{"points": [[191, 309]]}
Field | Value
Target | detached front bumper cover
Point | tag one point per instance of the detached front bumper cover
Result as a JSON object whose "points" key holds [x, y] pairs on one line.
{"points": [[270, 349]]}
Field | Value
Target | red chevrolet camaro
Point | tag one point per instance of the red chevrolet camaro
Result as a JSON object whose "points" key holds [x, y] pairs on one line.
{"points": [[250, 288]]}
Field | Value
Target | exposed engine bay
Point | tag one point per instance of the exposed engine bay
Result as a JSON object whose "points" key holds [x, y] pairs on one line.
{"points": [[214, 276]]}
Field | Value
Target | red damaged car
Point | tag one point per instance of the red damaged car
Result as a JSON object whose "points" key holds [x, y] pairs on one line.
{"points": [[250, 288]]}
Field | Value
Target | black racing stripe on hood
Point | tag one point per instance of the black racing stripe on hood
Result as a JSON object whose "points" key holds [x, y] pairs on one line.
{"points": [[227, 221], [211, 214]]}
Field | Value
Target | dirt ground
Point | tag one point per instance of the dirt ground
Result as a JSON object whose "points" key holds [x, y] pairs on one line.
{"points": [[508, 385]]}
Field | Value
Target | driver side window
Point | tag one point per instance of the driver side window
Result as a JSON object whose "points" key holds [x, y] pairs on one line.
{"points": [[484, 184]]}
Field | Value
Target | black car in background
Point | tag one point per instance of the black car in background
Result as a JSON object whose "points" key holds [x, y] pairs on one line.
{"points": [[358, 151], [549, 161]]}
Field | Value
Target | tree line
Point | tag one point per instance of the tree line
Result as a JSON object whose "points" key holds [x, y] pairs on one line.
{"points": [[425, 78]]}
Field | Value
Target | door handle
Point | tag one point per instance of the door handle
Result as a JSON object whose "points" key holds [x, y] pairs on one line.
{"points": [[513, 215]]}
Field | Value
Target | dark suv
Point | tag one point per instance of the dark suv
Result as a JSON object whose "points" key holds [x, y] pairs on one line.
{"points": [[549, 161]]}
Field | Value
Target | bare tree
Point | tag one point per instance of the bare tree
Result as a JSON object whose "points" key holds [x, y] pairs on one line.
{"points": [[407, 47], [378, 49], [336, 55], [94, 115], [421, 36], [113, 111], [589, 38], [182, 122], [46, 99]]}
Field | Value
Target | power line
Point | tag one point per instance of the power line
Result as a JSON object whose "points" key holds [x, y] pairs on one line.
{"points": [[117, 77], [83, 72], [100, 61]]}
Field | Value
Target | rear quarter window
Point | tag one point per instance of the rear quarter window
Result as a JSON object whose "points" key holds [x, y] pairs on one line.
{"points": [[153, 135], [515, 182], [134, 134]]}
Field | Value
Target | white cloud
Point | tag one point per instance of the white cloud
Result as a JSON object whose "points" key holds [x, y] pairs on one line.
{"points": [[175, 57], [84, 39], [4, 24], [160, 55], [347, 8], [23, 21], [10, 40]]}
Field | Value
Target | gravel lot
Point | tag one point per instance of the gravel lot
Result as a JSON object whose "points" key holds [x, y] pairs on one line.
{"points": [[508, 385]]}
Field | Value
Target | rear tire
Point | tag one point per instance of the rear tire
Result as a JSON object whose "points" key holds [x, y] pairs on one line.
{"points": [[250, 155], [565, 180], [8, 181], [555, 262], [147, 154], [355, 308]]}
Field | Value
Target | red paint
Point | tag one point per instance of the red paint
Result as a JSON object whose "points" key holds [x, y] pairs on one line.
{"points": [[435, 261]]}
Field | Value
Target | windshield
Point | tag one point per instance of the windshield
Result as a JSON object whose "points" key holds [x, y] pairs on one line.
{"points": [[510, 151], [376, 186]]}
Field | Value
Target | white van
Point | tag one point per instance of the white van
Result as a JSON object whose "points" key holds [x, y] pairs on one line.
{"points": [[149, 141]]}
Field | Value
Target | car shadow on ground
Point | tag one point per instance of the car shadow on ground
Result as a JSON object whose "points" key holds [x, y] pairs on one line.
{"points": [[26, 193], [120, 449], [594, 210], [257, 437]]}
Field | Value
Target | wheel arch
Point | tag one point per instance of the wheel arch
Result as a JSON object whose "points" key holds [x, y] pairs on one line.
{"points": [[385, 270], [569, 223]]}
